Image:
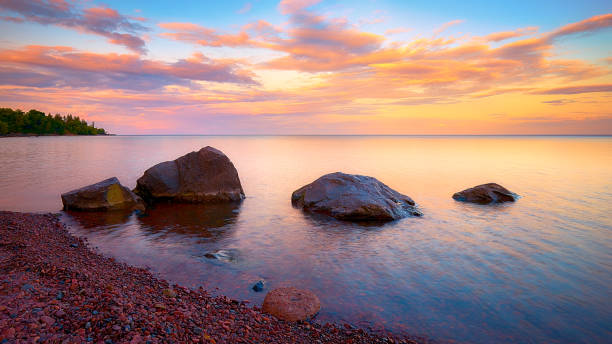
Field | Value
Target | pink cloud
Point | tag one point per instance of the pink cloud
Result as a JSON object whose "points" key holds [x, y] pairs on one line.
{"points": [[445, 26], [501, 36], [193, 33], [82, 69], [294, 6], [592, 24], [103, 21]]}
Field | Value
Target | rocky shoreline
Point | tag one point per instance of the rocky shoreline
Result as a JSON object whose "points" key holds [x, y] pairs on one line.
{"points": [[54, 289]]}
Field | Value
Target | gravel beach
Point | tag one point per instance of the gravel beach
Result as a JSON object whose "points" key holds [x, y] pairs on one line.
{"points": [[55, 289]]}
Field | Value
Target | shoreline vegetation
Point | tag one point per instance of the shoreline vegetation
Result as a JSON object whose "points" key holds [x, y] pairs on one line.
{"points": [[55, 288], [36, 123]]}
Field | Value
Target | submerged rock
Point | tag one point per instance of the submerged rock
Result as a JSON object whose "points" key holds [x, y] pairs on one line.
{"points": [[291, 304], [206, 176], [354, 198], [229, 255], [259, 286], [108, 194], [486, 194]]}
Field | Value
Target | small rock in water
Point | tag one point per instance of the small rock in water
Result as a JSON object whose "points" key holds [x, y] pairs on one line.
{"points": [[259, 286], [486, 194], [229, 255]]}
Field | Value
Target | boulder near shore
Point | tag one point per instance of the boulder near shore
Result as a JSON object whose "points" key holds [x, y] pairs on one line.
{"points": [[291, 304], [108, 194], [486, 194], [206, 176], [353, 197]]}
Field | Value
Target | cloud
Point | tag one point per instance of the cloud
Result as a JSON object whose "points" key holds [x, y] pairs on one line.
{"points": [[501, 36], [397, 30], [294, 6], [558, 102], [445, 26], [67, 67], [589, 25], [103, 21], [200, 35], [245, 9], [576, 89]]}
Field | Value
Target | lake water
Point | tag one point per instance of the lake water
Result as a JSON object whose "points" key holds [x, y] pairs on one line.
{"points": [[538, 270]]}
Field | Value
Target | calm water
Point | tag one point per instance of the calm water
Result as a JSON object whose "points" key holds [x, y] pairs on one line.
{"points": [[538, 270]]}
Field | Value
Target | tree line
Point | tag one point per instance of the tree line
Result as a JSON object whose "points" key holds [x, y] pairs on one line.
{"points": [[37, 123]]}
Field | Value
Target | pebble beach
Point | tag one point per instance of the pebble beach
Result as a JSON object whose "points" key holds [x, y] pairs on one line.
{"points": [[56, 289]]}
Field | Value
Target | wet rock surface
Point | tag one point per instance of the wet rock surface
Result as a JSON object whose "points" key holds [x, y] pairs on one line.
{"points": [[291, 304], [108, 194], [53, 292], [206, 176], [353, 198], [486, 194]]}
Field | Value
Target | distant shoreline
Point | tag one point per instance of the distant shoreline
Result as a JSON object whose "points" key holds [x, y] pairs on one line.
{"points": [[37, 135]]}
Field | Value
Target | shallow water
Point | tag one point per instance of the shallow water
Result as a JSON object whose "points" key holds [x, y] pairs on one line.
{"points": [[538, 270]]}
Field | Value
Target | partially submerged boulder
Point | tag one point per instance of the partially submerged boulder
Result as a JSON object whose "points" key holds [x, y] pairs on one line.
{"points": [[354, 198], [486, 194], [291, 304], [206, 176], [108, 194]]}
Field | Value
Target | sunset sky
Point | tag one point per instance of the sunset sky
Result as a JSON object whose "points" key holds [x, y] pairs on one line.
{"points": [[313, 66]]}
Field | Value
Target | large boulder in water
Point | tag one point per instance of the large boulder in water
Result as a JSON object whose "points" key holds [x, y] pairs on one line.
{"points": [[354, 198], [108, 194], [486, 194], [206, 176], [291, 304]]}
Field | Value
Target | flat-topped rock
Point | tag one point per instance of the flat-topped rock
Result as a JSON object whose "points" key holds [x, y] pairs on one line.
{"points": [[486, 194], [354, 198], [206, 176], [291, 304], [108, 194]]}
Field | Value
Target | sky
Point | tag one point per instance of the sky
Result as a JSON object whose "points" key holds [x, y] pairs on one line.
{"points": [[313, 67]]}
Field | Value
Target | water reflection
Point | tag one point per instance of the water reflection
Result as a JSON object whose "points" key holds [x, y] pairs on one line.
{"points": [[99, 220], [207, 222], [325, 221]]}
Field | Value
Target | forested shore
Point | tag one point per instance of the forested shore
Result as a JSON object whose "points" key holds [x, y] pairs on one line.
{"points": [[34, 122]]}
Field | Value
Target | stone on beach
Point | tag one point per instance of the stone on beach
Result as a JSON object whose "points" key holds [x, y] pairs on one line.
{"points": [[108, 194], [486, 194], [206, 176], [291, 304], [354, 198]]}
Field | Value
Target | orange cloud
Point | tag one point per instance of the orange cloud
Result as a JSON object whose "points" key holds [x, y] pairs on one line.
{"points": [[576, 89], [197, 34], [588, 25], [501, 36]]}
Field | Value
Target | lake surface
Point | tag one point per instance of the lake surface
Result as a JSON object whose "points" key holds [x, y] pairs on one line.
{"points": [[538, 270]]}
